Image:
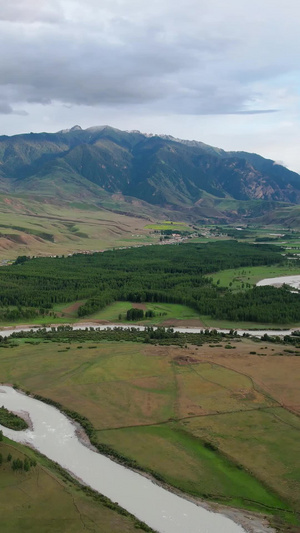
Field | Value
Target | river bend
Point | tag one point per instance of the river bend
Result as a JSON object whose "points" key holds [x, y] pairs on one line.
{"points": [[53, 434]]}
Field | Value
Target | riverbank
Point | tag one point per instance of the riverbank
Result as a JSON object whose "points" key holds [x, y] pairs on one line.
{"points": [[47, 498], [7, 330], [56, 439], [250, 522]]}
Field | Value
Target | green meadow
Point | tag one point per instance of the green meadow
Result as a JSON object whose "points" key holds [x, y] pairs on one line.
{"points": [[45, 499], [162, 311], [205, 473]]}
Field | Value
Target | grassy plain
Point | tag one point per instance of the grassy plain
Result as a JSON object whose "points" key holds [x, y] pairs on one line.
{"points": [[207, 419], [41, 500], [163, 312], [51, 226], [29, 227], [66, 313], [206, 474]]}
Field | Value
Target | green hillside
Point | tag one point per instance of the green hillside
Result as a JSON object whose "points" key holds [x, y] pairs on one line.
{"points": [[105, 166]]}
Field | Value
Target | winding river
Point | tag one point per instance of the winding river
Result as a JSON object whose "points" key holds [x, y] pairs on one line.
{"points": [[53, 434]]}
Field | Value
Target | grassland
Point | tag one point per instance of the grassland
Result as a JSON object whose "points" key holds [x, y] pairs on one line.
{"points": [[219, 424], [223, 481], [44, 500], [163, 312], [50, 226], [32, 227]]}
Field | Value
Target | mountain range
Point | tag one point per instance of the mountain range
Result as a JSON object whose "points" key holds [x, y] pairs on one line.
{"points": [[105, 166]]}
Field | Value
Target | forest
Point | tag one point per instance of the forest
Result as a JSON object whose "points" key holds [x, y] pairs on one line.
{"points": [[171, 274]]}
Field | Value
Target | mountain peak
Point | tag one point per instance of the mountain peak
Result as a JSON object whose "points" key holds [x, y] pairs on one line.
{"points": [[101, 128], [74, 128]]}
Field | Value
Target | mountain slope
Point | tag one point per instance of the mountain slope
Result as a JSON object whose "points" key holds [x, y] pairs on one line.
{"points": [[99, 162]]}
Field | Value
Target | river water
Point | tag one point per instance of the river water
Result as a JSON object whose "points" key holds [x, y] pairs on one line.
{"points": [[54, 435], [293, 281]]}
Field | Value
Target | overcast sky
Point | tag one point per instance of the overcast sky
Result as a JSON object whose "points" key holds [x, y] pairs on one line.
{"points": [[223, 72]]}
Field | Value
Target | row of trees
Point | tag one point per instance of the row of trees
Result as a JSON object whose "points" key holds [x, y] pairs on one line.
{"points": [[18, 464], [136, 314]]}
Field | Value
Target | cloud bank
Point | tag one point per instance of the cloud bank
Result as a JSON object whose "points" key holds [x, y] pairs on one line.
{"points": [[204, 57]]}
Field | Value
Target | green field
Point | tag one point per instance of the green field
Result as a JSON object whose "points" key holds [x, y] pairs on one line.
{"points": [[43, 499], [174, 314], [206, 474], [168, 225], [209, 322], [66, 313], [203, 424], [163, 311]]}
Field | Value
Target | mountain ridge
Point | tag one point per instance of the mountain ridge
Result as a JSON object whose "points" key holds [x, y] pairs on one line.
{"points": [[161, 170]]}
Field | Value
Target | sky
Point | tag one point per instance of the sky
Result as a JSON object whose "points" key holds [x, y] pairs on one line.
{"points": [[224, 73]]}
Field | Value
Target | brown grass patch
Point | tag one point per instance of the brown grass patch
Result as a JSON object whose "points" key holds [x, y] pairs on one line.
{"points": [[71, 309], [139, 306], [185, 360], [277, 376], [121, 403]]}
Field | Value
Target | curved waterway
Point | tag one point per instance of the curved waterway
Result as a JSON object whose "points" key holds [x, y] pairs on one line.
{"points": [[53, 434], [292, 281]]}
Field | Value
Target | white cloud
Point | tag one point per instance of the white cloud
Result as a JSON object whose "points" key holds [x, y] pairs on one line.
{"points": [[162, 60], [30, 11]]}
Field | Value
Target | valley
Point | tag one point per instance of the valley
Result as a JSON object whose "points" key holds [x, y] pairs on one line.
{"points": [[149, 266], [205, 414], [84, 219]]}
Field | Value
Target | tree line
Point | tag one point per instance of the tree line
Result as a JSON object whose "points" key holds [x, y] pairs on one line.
{"points": [[169, 274]]}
